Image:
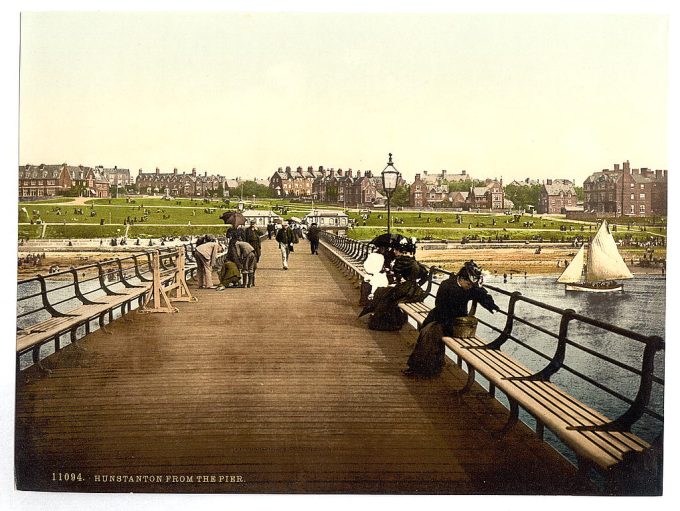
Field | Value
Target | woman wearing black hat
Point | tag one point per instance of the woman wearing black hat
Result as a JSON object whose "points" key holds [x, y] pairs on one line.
{"points": [[451, 304], [409, 275]]}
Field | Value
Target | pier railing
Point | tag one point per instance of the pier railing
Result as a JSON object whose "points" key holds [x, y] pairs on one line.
{"points": [[577, 352], [46, 303]]}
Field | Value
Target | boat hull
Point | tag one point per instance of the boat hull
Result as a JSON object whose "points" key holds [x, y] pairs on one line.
{"points": [[590, 288]]}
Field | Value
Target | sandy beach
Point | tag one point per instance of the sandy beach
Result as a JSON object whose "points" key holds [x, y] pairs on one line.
{"points": [[495, 260], [520, 260]]}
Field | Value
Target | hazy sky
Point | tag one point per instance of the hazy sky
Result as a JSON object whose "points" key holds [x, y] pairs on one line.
{"points": [[514, 95]]}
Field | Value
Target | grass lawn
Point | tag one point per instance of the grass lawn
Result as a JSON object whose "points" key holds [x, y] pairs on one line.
{"points": [[155, 217]]}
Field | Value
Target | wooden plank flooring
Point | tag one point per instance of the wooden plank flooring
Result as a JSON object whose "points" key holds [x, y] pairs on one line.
{"points": [[280, 385]]}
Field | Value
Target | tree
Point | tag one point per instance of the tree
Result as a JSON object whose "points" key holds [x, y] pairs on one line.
{"points": [[251, 188], [460, 186], [579, 193], [523, 196], [401, 196]]}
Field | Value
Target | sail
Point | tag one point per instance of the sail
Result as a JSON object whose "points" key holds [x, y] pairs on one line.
{"points": [[574, 271], [604, 260]]}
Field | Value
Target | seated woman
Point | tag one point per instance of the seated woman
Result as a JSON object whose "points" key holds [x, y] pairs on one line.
{"points": [[409, 275], [451, 303]]}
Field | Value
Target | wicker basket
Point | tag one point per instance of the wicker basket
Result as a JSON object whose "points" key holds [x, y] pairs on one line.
{"points": [[464, 326]]}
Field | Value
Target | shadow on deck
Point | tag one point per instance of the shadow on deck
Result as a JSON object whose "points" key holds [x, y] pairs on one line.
{"points": [[277, 388]]}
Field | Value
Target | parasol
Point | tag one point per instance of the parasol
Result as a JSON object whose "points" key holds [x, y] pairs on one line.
{"points": [[233, 218], [386, 240]]}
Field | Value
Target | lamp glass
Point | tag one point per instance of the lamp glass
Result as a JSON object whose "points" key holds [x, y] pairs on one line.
{"points": [[390, 177]]}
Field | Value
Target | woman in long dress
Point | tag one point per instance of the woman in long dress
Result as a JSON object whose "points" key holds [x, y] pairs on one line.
{"points": [[451, 303], [409, 275]]}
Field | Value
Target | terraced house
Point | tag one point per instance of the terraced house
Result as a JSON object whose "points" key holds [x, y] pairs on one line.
{"points": [[175, 184], [329, 185], [50, 180]]}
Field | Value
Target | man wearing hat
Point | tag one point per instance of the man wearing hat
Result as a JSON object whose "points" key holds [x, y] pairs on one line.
{"points": [[285, 239], [252, 236], [313, 237]]}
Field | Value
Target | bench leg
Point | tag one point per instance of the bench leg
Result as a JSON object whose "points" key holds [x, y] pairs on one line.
{"points": [[35, 353], [512, 419], [75, 344], [470, 380], [102, 326]]}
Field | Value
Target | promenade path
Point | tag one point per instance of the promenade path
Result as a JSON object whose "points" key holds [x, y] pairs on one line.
{"points": [[281, 388]]}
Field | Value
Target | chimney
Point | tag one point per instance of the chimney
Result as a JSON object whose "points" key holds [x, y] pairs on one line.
{"points": [[548, 181], [339, 172], [626, 165], [158, 171], [424, 172], [140, 172], [417, 177], [349, 172], [616, 167], [463, 172], [280, 169], [320, 168], [299, 169], [310, 169], [206, 173], [443, 173], [287, 168], [174, 171], [193, 171]]}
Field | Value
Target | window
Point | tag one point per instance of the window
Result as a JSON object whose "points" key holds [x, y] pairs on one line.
{"points": [[642, 208], [632, 196], [632, 208], [632, 185], [642, 196], [642, 186]]}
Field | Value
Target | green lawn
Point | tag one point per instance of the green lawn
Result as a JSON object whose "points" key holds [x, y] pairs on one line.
{"points": [[193, 216]]}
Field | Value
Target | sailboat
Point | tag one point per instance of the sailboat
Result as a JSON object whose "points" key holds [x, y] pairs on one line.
{"points": [[598, 268]]}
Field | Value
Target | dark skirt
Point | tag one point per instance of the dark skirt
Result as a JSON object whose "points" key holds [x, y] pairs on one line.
{"points": [[428, 357]]}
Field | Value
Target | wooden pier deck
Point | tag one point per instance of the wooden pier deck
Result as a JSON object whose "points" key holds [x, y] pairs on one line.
{"points": [[277, 388]]}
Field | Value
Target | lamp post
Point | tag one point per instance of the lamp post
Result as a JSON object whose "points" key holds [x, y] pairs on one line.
{"points": [[390, 178]]}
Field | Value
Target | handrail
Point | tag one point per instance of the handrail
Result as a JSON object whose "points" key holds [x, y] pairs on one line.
{"points": [[637, 406], [69, 284]]}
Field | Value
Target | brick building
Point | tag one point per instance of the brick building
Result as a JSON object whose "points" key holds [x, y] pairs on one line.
{"points": [[624, 191], [557, 195], [51, 180], [176, 184]]}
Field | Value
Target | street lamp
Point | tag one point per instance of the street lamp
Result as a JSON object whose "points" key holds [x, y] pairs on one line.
{"points": [[390, 178]]}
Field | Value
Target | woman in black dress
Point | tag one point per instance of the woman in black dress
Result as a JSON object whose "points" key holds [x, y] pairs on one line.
{"points": [[451, 302]]}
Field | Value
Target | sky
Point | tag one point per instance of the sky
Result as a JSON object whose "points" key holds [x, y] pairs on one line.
{"points": [[241, 94]]}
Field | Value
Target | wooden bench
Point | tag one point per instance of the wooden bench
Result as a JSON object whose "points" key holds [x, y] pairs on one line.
{"points": [[84, 306], [596, 441]]}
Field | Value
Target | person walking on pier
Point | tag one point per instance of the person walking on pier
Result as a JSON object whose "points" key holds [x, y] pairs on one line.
{"points": [[313, 237], [451, 305], [285, 239], [253, 237], [206, 256]]}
